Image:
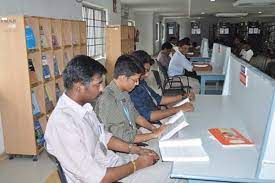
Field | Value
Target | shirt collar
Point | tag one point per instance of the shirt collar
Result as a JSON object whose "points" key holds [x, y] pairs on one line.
{"points": [[67, 102], [116, 91]]}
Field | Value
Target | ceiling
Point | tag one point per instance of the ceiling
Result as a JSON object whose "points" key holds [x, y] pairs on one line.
{"points": [[194, 8]]}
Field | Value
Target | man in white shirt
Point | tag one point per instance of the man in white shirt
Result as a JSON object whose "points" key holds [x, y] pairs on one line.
{"points": [[246, 53], [179, 62], [78, 140]]}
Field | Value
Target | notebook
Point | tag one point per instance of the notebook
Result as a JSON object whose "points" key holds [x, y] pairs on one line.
{"points": [[184, 150]]}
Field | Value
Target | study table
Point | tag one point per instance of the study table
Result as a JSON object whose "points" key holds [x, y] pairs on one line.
{"points": [[238, 164]]}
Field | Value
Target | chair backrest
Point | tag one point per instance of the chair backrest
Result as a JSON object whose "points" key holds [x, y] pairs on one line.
{"points": [[163, 70], [59, 169], [270, 69], [158, 80]]}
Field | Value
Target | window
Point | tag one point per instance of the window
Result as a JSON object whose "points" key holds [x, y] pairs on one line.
{"points": [[95, 22], [157, 31]]}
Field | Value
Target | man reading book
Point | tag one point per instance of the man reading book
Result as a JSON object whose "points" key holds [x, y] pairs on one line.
{"points": [[78, 140], [147, 101]]}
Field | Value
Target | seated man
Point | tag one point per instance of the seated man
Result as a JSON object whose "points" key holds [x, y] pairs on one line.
{"points": [[179, 62], [114, 106], [246, 53], [78, 140], [163, 56], [147, 102]]}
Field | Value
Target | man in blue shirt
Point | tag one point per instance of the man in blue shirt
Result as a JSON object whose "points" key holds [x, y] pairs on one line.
{"points": [[147, 102]]}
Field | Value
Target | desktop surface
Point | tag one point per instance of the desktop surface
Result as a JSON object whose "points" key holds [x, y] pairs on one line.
{"points": [[225, 164]]}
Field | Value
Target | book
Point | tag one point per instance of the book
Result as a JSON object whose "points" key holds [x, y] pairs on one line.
{"points": [[35, 106], [39, 135], [30, 38], [55, 41], [182, 102], [174, 128], [43, 39], [48, 101], [184, 150], [58, 91], [56, 67], [175, 117], [45, 67], [201, 65], [230, 137], [32, 74]]}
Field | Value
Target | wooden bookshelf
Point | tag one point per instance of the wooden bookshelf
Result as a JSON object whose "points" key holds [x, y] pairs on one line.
{"points": [[16, 104], [119, 40]]}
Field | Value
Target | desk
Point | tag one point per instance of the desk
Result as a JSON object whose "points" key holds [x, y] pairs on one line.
{"points": [[225, 164], [215, 75]]}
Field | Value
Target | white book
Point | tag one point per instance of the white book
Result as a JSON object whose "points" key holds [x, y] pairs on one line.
{"points": [[174, 128], [201, 65], [182, 102], [175, 117], [185, 150]]}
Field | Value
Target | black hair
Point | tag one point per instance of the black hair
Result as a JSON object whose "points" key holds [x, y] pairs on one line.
{"points": [[143, 57], [172, 38], [81, 69], [184, 41], [128, 65], [166, 45]]}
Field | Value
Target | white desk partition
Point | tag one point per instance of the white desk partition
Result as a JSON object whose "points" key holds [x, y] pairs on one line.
{"points": [[220, 57], [249, 108], [257, 104], [204, 48]]}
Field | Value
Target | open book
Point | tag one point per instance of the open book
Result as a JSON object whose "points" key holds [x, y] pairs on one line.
{"points": [[174, 127], [201, 65], [182, 102], [187, 150], [230, 137]]}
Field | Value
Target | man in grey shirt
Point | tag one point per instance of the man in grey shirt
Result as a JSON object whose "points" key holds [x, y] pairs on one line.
{"points": [[163, 56], [114, 106]]}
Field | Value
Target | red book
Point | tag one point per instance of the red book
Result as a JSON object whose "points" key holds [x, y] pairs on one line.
{"points": [[230, 137]]}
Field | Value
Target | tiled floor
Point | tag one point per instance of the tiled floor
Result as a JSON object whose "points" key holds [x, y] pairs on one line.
{"points": [[24, 170]]}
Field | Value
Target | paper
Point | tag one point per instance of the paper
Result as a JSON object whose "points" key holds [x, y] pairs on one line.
{"points": [[201, 65], [175, 117], [182, 102], [174, 128], [250, 31], [187, 150], [170, 30]]}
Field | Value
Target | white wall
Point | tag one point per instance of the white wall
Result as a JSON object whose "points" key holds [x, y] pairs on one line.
{"points": [[68, 9], [144, 23]]}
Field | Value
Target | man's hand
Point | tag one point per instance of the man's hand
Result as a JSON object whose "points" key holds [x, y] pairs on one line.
{"points": [[187, 107], [191, 96], [148, 151], [157, 132], [145, 160]]}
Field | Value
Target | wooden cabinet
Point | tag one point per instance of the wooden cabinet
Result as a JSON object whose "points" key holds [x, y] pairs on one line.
{"points": [[27, 73], [118, 40]]}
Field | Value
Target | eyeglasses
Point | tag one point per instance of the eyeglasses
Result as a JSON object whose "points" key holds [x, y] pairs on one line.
{"points": [[136, 81]]}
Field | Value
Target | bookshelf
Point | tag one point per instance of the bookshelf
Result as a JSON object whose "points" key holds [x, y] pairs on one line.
{"points": [[30, 75], [119, 40]]}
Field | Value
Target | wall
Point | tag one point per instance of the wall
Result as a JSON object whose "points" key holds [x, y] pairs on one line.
{"points": [[144, 23], [68, 9]]}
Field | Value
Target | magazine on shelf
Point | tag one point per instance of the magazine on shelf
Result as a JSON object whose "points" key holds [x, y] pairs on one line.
{"points": [[32, 74], [45, 67], [35, 106], [30, 38]]}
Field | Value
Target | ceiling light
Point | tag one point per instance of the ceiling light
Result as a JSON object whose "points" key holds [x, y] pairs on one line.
{"points": [[231, 14], [202, 13], [260, 12], [212, 0]]}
